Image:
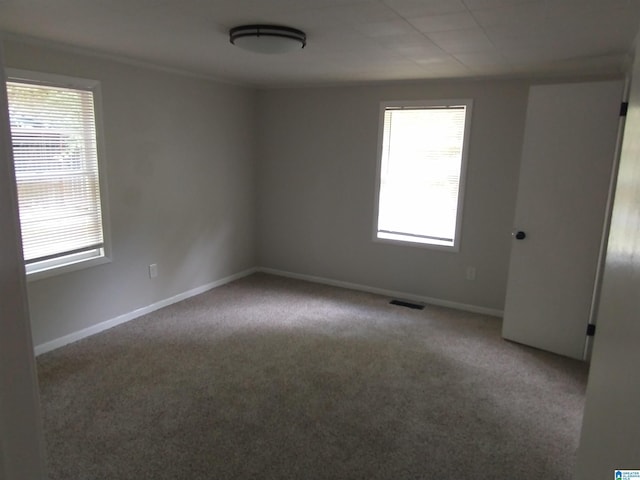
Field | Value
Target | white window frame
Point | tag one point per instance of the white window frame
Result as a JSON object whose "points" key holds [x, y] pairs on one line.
{"points": [[99, 256], [406, 240]]}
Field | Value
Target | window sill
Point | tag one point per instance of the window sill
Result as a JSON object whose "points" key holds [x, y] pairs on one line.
{"points": [[418, 244], [74, 266]]}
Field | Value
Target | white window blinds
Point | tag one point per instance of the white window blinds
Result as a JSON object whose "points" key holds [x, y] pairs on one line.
{"points": [[420, 172], [56, 163]]}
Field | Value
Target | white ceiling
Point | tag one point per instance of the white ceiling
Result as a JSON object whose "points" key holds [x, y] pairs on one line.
{"points": [[348, 40]]}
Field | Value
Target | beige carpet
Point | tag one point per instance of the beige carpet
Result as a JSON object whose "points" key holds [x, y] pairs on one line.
{"points": [[271, 378]]}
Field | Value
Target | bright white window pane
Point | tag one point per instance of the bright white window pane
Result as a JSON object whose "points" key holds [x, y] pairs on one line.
{"points": [[55, 152], [421, 168]]}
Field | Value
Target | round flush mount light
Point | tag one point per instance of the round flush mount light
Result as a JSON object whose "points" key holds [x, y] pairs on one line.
{"points": [[267, 38]]}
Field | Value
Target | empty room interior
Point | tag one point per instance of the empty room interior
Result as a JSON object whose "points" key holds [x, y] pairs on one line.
{"points": [[384, 239]]}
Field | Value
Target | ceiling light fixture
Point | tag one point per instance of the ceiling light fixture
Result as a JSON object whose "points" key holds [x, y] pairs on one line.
{"points": [[267, 38]]}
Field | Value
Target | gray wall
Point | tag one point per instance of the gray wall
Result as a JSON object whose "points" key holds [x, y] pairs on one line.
{"points": [[611, 426], [21, 441], [317, 167], [180, 162]]}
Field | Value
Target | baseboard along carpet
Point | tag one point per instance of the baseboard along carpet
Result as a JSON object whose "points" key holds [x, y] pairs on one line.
{"points": [[274, 378]]}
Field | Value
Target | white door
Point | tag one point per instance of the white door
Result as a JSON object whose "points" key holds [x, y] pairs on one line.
{"points": [[569, 146]]}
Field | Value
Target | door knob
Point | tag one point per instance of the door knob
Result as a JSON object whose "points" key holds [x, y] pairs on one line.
{"points": [[520, 235]]}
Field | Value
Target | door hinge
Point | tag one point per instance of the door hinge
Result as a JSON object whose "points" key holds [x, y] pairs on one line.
{"points": [[624, 107], [591, 330]]}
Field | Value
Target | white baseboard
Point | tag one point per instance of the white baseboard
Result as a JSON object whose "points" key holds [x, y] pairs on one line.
{"points": [[381, 291], [102, 326]]}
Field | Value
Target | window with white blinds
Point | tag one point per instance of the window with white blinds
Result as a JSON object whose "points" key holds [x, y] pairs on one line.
{"points": [[55, 151], [422, 167]]}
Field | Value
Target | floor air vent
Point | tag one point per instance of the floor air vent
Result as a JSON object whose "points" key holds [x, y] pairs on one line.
{"points": [[402, 303]]}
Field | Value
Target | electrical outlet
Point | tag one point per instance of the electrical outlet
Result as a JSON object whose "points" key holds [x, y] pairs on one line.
{"points": [[153, 270], [471, 273]]}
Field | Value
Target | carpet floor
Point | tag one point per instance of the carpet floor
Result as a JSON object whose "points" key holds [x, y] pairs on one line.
{"points": [[273, 378]]}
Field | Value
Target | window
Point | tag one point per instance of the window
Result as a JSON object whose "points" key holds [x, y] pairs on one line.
{"points": [[422, 162], [56, 144]]}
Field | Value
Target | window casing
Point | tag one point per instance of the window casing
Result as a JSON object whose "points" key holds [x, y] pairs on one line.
{"points": [[422, 158], [58, 158]]}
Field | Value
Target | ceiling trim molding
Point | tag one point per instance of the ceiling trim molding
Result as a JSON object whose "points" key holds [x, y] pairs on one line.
{"points": [[113, 57]]}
